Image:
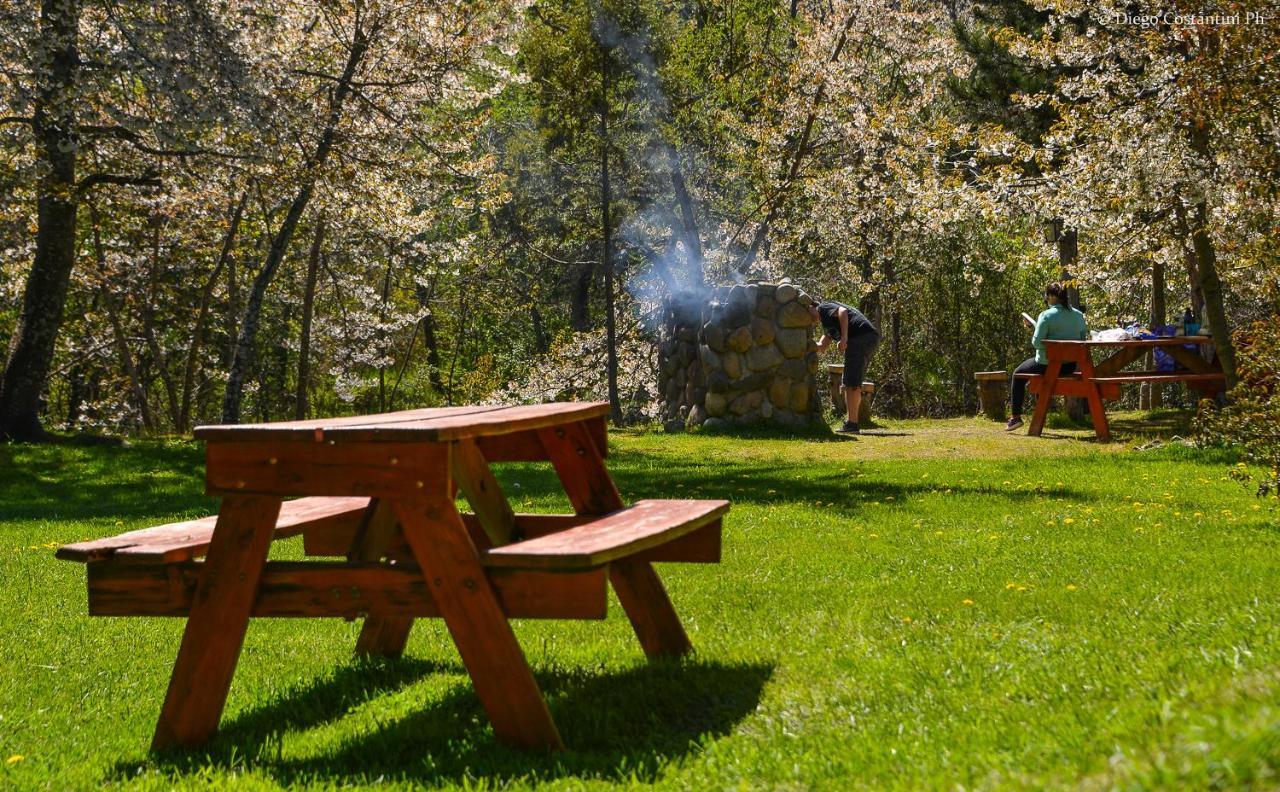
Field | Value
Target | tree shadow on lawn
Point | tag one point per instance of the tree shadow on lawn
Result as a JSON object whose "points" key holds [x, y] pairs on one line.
{"points": [[115, 482], [757, 483], [616, 726]]}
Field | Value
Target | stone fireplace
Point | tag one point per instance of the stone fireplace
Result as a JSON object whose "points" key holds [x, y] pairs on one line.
{"points": [[739, 355]]}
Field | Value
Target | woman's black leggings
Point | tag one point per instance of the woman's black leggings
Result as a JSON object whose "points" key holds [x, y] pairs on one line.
{"points": [[1019, 386]]}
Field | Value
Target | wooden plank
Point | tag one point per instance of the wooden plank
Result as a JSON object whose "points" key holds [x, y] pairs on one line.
{"points": [[701, 546], [477, 623], [224, 595], [514, 447], [313, 429], [586, 481], [483, 492], [580, 466], [367, 469], [382, 634], [1148, 376], [623, 533], [185, 540], [645, 601], [494, 422], [1192, 361], [1117, 361], [311, 589]]}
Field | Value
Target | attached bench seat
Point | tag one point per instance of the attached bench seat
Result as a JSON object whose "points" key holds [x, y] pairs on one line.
{"points": [[620, 534], [1162, 376], [558, 572], [183, 541]]}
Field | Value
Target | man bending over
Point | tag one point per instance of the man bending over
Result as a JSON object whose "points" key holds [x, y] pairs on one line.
{"points": [[854, 335]]}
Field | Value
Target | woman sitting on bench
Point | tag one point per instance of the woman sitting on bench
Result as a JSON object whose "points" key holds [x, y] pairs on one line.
{"points": [[1060, 322]]}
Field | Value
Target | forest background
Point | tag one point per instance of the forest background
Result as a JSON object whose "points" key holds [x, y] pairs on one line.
{"points": [[245, 210]]}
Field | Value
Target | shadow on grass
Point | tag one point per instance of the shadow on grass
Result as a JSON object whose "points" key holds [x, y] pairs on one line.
{"points": [[77, 481], [756, 482], [616, 726]]}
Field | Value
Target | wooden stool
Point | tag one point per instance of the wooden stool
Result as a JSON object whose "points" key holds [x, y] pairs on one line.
{"points": [[834, 372], [993, 393]]}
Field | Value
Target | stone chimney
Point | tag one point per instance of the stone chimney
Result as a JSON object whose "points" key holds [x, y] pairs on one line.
{"points": [[745, 356]]}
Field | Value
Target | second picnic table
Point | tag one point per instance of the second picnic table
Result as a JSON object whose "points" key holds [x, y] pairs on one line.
{"points": [[1101, 381], [380, 490]]}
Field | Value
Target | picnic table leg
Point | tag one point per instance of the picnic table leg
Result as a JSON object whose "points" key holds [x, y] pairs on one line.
{"points": [[1045, 397], [1099, 414], [383, 636], [224, 597], [501, 675], [591, 490]]}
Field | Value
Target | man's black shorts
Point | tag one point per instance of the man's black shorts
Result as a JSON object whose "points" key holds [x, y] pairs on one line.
{"points": [[856, 356]]}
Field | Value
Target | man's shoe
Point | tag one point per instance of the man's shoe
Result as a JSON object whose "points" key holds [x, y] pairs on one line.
{"points": [[1013, 423], [849, 428]]}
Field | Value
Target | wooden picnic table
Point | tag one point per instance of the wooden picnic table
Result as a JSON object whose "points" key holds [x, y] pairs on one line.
{"points": [[1101, 381], [379, 492]]}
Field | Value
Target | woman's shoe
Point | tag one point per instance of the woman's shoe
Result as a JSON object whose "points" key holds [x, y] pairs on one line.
{"points": [[849, 428], [1014, 423]]}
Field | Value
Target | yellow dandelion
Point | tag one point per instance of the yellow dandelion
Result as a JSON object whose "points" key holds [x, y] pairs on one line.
{"points": [[1071, 587], [1022, 588], [937, 533], [1198, 514], [994, 536], [906, 619], [1255, 507], [873, 536], [1008, 586], [1050, 522], [13, 760], [966, 602], [1068, 520]]}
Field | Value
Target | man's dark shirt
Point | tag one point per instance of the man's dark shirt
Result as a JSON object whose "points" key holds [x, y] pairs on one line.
{"points": [[829, 316]]}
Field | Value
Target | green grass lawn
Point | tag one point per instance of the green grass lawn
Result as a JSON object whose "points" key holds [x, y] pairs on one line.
{"points": [[937, 605]]}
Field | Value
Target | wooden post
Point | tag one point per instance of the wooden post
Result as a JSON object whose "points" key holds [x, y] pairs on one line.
{"points": [[993, 393], [864, 406], [219, 618]]}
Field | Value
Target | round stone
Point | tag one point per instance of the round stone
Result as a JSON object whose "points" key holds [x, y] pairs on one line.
{"points": [[763, 358], [714, 335], [732, 363], [716, 405], [800, 398], [740, 340], [793, 341], [762, 331], [746, 403], [785, 293], [793, 314]]}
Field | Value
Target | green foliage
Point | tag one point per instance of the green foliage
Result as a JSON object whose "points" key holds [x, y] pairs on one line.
{"points": [[1251, 419]]}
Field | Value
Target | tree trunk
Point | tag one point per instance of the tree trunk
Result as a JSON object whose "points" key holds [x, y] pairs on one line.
{"points": [[690, 235], [1203, 258], [225, 258], [280, 242], [580, 310], [606, 248], [1214, 295], [44, 296], [1068, 253], [136, 387], [1159, 317], [304, 343]]}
